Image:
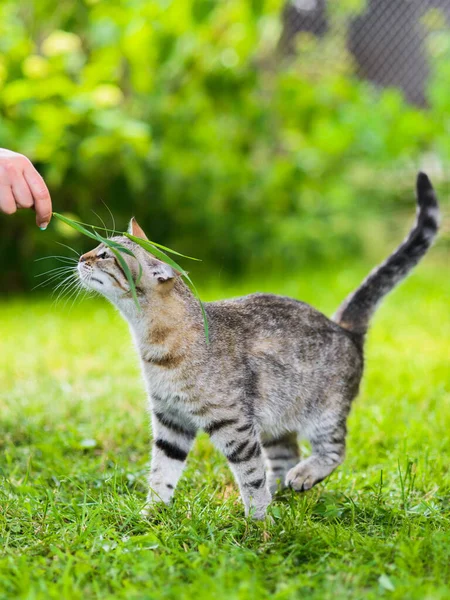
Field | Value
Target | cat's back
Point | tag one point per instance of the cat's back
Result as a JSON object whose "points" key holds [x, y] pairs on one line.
{"points": [[270, 313], [268, 323]]}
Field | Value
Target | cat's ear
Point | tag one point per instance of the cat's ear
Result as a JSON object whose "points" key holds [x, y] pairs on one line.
{"points": [[136, 230], [162, 272]]}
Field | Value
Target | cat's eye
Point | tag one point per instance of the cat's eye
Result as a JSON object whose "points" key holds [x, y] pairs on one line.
{"points": [[102, 255]]}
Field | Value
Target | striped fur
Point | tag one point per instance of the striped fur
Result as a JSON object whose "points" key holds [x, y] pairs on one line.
{"points": [[282, 454], [275, 368], [356, 310]]}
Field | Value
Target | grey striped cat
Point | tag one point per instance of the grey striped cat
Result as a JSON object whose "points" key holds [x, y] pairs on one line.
{"points": [[275, 368]]}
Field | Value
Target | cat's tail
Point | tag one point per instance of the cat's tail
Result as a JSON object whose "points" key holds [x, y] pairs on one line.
{"points": [[355, 312]]}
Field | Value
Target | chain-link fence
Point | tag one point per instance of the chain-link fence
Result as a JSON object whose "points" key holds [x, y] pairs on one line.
{"points": [[390, 40]]}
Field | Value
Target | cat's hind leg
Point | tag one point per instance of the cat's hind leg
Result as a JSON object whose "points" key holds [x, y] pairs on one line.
{"points": [[281, 454], [327, 438]]}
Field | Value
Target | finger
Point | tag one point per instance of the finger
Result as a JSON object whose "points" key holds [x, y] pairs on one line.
{"points": [[21, 191], [41, 195], [7, 203]]}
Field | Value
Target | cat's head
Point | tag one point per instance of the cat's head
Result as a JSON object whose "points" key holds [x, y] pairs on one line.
{"points": [[99, 270]]}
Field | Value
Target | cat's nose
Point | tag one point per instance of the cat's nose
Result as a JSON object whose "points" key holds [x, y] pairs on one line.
{"points": [[87, 256]]}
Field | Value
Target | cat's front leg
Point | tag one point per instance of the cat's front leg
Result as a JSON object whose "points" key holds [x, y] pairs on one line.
{"points": [[238, 441], [172, 441]]}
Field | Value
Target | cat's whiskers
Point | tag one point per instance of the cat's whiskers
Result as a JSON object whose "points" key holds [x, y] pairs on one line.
{"points": [[65, 293], [55, 270], [112, 218], [69, 264], [69, 248], [108, 231], [53, 277], [79, 288], [59, 258], [65, 285], [73, 289]]}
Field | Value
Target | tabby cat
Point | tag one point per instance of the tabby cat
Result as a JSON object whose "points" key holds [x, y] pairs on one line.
{"points": [[275, 368]]}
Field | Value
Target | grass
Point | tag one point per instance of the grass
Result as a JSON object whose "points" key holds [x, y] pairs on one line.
{"points": [[74, 449]]}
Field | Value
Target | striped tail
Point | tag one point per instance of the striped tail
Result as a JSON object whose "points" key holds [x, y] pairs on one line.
{"points": [[355, 312]]}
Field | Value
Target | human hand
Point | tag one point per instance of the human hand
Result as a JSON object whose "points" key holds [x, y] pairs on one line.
{"points": [[21, 186]]}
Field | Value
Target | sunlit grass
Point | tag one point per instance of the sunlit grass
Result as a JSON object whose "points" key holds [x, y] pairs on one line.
{"points": [[75, 442]]}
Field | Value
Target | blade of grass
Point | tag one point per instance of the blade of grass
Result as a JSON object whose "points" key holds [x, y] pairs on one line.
{"points": [[128, 274], [116, 245], [205, 317], [94, 227], [175, 252], [147, 245], [116, 249], [76, 225]]}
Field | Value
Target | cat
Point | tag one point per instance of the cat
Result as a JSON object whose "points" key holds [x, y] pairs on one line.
{"points": [[274, 367]]}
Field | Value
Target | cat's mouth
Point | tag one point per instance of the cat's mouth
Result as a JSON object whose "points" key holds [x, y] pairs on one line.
{"points": [[97, 280], [85, 274]]}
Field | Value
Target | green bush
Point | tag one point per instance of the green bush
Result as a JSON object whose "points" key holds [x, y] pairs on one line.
{"points": [[183, 114]]}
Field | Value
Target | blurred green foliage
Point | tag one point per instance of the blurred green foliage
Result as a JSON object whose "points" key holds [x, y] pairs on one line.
{"points": [[183, 114]]}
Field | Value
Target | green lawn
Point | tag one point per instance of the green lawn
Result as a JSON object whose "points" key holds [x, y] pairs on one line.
{"points": [[74, 448]]}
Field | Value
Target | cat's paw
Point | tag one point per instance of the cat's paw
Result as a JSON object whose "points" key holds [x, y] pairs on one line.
{"points": [[257, 506], [257, 514], [146, 511], [304, 476], [152, 510]]}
